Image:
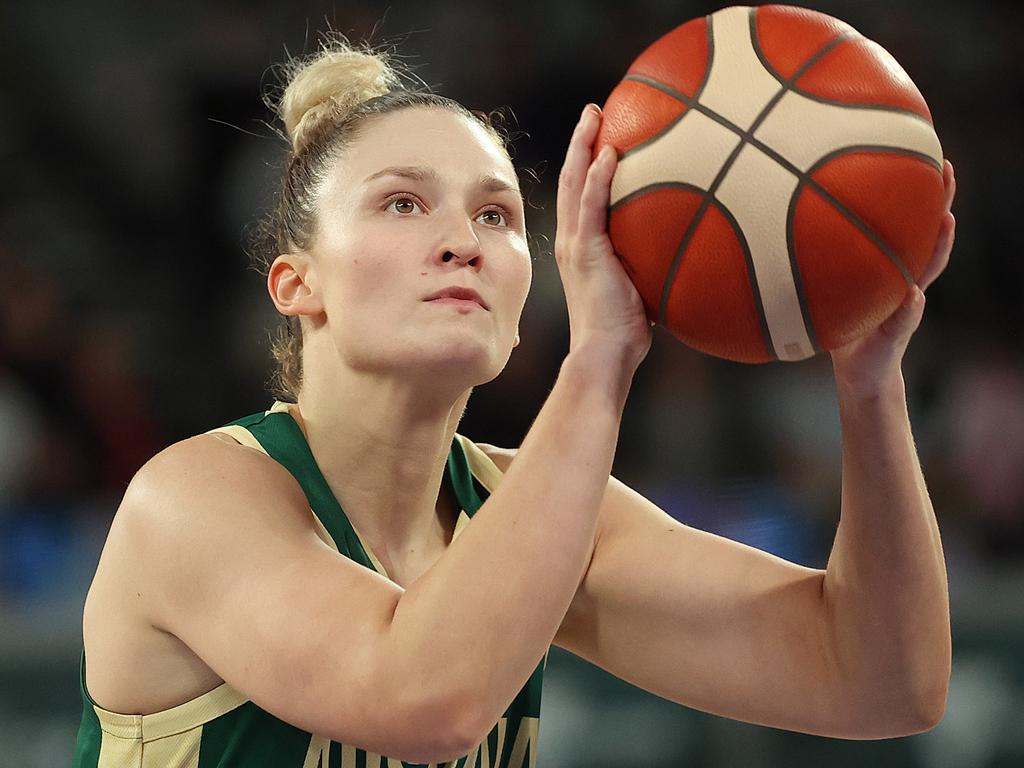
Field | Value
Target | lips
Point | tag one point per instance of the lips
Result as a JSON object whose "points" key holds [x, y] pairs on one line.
{"points": [[458, 292]]}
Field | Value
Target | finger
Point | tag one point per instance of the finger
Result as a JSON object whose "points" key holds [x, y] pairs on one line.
{"points": [[949, 182], [574, 170], [901, 325], [593, 221], [943, 248]]}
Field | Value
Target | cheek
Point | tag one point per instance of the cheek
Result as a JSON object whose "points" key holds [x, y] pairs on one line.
{"points": [[520, 277], [367, 273]]}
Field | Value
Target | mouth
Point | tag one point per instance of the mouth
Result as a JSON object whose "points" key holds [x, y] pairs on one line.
{"points": [[458, 295]]}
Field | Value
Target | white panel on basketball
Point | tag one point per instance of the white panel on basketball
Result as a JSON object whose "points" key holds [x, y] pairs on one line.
{"points": [[671, 157], [757, 191], [803, 130], [735, 61]]}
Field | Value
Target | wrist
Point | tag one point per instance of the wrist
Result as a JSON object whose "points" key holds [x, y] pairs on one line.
{"points": [[602, 369], [851, 385]]}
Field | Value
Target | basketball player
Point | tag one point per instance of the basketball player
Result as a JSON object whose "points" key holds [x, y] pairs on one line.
{"points": [[343, 580]]}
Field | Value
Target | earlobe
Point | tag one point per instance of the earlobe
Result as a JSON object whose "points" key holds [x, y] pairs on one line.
{"points": [[516, 342], [289, 282]]}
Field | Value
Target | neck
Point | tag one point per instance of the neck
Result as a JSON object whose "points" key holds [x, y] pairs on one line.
{"points": [[382, 444]]}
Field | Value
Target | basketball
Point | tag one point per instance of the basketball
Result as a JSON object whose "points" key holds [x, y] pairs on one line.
{"points": [[779, 186]]}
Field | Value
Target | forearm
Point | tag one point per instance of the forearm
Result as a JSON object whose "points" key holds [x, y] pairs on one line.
{"points": [[482, 618], [885, 587]]}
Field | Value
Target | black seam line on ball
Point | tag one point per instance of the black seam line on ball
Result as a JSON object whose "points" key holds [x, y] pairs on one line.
{"points": [[806, 179], [802, 177], [698, 216], [745, 138], [696, 97], [853, 218], [654, 188], [738, 231], [766, 334], [691, 229], [711, 57], [787, 86], [813, 59], [794, 267], [840, 37], [709, 194]]}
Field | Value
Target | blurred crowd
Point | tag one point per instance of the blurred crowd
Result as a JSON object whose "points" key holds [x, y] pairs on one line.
{"points": [[136, 152]]}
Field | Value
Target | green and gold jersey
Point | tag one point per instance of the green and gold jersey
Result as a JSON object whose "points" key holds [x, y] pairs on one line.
{"points": [[224, 729]]}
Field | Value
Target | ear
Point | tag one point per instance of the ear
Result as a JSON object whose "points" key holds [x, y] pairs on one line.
{"points": [[291, 283], [516, 342]]}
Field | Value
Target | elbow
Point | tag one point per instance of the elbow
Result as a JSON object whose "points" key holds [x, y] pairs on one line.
{"points": [[930, 710], [453, 735], [441, 716], [927, 702], [462, 727], [905, 716], [449, 727]]}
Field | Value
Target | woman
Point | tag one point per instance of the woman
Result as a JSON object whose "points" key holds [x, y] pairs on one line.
{"points": [[227, 625]]}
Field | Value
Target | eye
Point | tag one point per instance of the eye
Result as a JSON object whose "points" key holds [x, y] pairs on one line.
{"points": [[494, 217], [403, 204]]}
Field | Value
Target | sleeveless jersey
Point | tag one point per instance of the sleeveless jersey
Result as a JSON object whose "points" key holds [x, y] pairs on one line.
{"points": [[224, 729]]}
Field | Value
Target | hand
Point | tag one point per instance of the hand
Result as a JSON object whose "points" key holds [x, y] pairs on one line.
{"points": [[865, 363], [605, 310]]}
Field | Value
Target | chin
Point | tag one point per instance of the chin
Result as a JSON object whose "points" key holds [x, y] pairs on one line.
{"points": [[469, 365], [463, 362]]}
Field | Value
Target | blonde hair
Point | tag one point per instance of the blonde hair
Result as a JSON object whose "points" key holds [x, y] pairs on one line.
{"points": [[331, 85], [327, 97]]}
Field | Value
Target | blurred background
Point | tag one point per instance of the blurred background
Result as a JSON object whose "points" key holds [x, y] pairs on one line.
{"points": [[135, 152]]}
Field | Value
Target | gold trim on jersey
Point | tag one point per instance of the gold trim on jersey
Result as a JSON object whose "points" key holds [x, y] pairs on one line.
{"points": [[319, 752], [529, 730], [480, 464], [240, 435], [175, 720], [489, 476], [244, 437]]}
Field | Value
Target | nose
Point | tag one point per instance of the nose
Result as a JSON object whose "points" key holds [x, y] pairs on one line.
{"points": [[460, 245]]}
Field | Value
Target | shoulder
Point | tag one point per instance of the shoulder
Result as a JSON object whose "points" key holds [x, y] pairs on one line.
{"points": [[198, 504], [205, 471]]}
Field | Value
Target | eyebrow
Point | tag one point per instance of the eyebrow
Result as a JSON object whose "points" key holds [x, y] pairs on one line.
{"points": [[488, 181]]}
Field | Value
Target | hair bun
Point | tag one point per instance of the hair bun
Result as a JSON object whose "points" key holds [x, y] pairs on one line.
{"points": [[334, 81]]}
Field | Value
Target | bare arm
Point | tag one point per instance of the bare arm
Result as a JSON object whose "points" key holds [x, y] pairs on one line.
{"points": [[233, 567], [238, 574], [885, 588], [725, 628], [482, 618], [860, 650]]}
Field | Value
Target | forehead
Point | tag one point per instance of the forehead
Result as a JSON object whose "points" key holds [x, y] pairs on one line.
{"points": [[457, 148]]}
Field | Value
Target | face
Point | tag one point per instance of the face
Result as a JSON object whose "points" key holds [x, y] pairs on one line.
{"points": [[422, 201]]}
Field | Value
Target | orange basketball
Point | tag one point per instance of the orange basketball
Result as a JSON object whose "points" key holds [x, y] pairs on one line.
{"points": [[779, 185]]}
